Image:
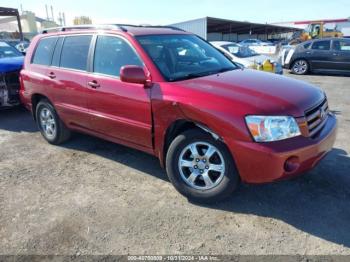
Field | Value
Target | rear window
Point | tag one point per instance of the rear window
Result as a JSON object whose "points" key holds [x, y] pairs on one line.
{"points": [[75, 52], [43, 52], [322, 45]]}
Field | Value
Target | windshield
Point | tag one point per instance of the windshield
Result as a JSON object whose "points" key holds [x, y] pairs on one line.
{"points": [[180, 57], [240, 51], [8, 51]]}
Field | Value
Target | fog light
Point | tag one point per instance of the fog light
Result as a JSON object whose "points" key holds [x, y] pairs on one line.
{"points": [[291, 164]]}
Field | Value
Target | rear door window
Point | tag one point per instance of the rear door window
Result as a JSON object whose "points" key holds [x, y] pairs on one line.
{"points": [[44, 50], [57, 53], [321, 45], [75, 52], [341, 45]]}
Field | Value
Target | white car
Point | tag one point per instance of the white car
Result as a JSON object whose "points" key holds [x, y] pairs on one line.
{"points": [[245, 56], [252, 42], [259, 46]]}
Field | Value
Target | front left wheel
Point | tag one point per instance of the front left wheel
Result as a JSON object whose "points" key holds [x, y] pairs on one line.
{"points": [[201, 167], [300, 67]]}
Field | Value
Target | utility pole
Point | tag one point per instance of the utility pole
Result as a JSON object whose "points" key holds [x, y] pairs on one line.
{"points": [[64, 19], [53, 18], [47, 13]]}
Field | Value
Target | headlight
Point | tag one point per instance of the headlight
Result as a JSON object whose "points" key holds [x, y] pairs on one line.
{"points": [[272, 128]]}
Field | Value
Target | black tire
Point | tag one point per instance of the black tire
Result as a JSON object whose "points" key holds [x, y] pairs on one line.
{"points": [[230, 177], [61, 134], [300, 67]]}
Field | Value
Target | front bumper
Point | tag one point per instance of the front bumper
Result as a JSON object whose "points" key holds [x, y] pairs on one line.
{"points": [[286, 66], [267, 162]]}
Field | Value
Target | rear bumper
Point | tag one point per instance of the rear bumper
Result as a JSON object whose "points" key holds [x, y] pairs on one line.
{"points": [[267, 162], [9, 89]]}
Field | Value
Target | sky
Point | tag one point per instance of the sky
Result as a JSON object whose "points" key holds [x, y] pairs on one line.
{"points": [[162, 12]]}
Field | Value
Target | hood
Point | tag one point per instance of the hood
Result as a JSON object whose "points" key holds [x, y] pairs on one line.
{"points": [[255, 92], [11, 64]]}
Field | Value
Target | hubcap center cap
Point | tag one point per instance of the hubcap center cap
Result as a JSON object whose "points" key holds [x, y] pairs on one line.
{"points": [[201, 165]]}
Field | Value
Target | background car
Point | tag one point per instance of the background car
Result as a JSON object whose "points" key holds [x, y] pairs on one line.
{"points": [[11, 62], [246, 57], [22, 46], [18, 44], [261, 47], [330, 55], [250, 42]]}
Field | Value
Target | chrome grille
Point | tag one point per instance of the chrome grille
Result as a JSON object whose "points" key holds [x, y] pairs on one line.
{"points": [[316, 117]]}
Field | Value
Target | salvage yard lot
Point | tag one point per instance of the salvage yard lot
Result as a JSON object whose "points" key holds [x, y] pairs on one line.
{"points": [[89, 196]]}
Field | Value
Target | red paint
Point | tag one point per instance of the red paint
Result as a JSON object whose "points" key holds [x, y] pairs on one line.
{"points": [[139, 115]]}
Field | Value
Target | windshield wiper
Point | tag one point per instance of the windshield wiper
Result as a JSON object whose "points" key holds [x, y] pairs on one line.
{"points": [[225, 69], [201, 74]]}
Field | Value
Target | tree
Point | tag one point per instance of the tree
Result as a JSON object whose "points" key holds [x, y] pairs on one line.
{"points": [[82, 20]]}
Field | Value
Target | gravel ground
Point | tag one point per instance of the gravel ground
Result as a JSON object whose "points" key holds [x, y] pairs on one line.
{"points": [[94, 197]]}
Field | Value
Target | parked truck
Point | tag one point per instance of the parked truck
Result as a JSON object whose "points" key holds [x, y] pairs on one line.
{"points": [[316, 30], [321, 29]]}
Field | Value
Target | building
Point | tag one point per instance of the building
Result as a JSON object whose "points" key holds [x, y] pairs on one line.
{"points": [[217, 29], [30, 23]]}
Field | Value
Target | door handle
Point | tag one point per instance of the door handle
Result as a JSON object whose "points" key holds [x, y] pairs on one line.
{"points": [[335, 54], [52, 75], [94, 84]]}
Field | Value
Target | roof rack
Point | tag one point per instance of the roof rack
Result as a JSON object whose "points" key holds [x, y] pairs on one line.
{"points": [[149, 26], [81, 27], [121, 27]]}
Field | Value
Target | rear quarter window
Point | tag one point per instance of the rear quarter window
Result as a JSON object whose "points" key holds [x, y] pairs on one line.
{"points": [[44, 50]]}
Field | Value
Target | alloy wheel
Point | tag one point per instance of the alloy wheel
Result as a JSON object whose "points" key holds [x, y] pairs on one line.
{"points": [[201, 165], [300, 67], [48, 123]]}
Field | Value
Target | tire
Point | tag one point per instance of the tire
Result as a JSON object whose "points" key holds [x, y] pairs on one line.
{"points": [[185, 174], [47, 119], [300, 67]]}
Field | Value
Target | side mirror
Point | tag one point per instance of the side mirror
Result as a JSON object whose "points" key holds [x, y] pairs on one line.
{"points": [[133, 74]]}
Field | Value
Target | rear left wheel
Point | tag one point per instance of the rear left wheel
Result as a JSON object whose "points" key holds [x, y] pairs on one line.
{"points": [[200, 167], [49, 123]]}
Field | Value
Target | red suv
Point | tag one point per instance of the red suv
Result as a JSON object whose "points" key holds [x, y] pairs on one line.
{"points": [[171, 94]]}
